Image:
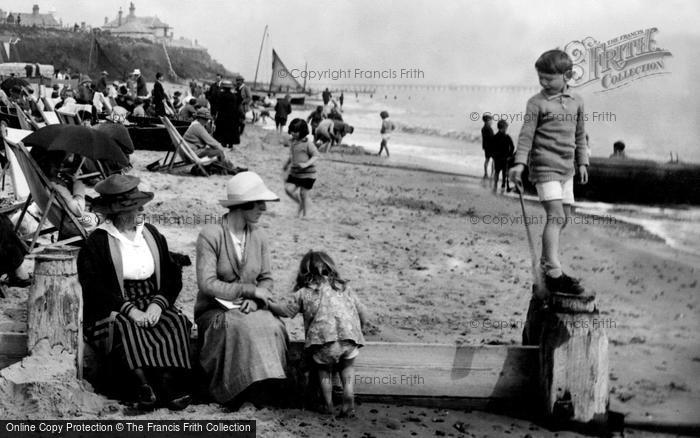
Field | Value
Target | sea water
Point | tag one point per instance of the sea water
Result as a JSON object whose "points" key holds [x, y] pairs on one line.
{"points": [[439, 129]]}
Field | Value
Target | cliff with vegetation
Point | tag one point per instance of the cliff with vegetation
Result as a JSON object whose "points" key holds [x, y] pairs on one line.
{"points": [[91, 52]]}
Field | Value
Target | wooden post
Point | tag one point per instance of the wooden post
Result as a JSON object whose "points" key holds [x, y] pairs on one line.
{"points": [[574, 360], [55, 304]]}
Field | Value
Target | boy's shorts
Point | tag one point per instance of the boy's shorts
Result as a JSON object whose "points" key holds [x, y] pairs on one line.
{"points": [[386, 137], [556, 190], [332, 352]]}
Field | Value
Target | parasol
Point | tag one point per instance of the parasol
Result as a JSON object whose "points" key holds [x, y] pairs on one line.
{"points": [[82, 140], [8, 83]]}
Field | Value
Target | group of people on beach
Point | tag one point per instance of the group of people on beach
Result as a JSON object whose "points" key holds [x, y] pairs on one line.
{"points": [[130, 279]]}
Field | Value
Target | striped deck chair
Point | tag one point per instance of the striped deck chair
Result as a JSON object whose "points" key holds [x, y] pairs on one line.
{"points": [[54, 208], [180, 149]]}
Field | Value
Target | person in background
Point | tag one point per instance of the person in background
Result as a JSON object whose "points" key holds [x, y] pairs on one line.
{"points": [[188, 110], [283, 109], [618, 150], [502, 149], [486, 137], [314, 119], [385, 131], [160, 99], [102, 83], [246, 98], [177, 102], [228, 117], [140, 82]]}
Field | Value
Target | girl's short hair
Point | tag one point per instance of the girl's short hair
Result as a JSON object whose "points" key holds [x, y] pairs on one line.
{"points": [[553, 62], [299, 126], [316, 267]]}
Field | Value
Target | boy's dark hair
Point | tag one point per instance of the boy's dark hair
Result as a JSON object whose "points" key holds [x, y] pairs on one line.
{"points": [[159, 75], [384, 115], [502, 124], [553, 62], [486, 117], [193, 101], [300, 126], [315, 267], [619, 146]]}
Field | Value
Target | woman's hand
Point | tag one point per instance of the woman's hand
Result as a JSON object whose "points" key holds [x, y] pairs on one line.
{"points": [[262, 294], [138, 317], [153, 313], [249, 306]]}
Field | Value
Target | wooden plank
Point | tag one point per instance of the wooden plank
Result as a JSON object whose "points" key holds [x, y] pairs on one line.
{"points": [[435, 370], [416, 373]]}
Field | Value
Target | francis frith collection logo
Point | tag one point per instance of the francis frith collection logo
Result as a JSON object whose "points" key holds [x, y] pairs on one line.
{"points": [[617, 62]]}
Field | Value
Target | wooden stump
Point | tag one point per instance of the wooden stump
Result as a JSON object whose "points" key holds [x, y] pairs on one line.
{"points": [[55, 304], [574, 359]]}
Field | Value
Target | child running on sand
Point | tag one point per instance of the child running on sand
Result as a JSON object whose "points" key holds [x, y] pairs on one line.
{"points": [[552, 141], [386, 130], [333, 321], [302, 172]]}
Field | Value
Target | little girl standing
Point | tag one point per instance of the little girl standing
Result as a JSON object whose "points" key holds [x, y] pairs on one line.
{"points": [[333, 320]]}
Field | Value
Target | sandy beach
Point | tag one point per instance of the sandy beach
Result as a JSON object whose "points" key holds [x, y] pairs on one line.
{"points": [[437, 258]]}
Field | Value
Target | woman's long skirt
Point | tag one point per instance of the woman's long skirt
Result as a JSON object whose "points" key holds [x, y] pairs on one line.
{"points": [[165, 345], [239, 349]]}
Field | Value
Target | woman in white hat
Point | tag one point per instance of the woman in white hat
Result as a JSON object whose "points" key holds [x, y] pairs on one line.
{"points": [[130, 283], [241, 341]]}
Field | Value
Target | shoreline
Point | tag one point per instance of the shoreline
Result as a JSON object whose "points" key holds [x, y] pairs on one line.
{"points": [[406, 241]]}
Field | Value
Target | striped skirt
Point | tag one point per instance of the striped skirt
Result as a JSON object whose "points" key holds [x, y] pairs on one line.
{"points": [[165, 345]]}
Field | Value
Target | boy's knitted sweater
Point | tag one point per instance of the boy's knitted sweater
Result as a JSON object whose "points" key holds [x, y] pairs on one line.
{"points": [[552, 138]]}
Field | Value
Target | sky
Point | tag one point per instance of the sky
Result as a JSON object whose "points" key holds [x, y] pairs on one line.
{"points": [[457, 42]]}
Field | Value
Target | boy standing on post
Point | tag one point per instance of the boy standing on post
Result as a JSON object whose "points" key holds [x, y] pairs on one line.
{"points": [[552, 141]]}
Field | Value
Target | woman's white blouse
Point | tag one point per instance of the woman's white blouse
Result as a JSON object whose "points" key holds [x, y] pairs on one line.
{"points": [[137, 259]]}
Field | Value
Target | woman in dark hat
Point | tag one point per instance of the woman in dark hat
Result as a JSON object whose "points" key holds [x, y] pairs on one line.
{"points": [[130, 283], [228, 116]]}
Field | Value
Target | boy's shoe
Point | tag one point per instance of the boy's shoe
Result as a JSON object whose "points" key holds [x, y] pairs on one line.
{"points": [[564, 284]]}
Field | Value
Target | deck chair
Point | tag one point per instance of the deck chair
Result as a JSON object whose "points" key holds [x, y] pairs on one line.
{"points": [[25, 121], [181, 149], [68, 118], [50, 117], [19, 182], [54, 208]]}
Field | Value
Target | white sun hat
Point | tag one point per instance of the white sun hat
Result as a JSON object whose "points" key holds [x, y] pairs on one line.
{"points": [[247, 187]]}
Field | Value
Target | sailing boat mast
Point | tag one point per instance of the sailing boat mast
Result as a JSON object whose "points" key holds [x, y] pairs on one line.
{"points": [[306, 73], [262, 42]]}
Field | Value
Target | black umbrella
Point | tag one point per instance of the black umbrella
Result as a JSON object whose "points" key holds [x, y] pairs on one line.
{"points": [[8, 83], [82, 140], [119, 134]]}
